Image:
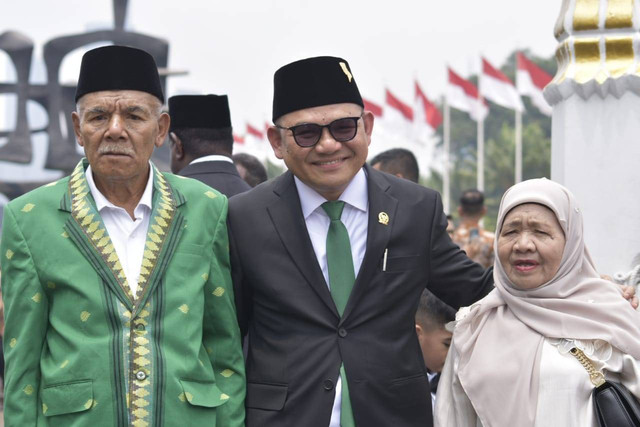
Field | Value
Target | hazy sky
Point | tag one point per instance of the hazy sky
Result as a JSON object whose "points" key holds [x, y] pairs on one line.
{"points": [[234, 47]]}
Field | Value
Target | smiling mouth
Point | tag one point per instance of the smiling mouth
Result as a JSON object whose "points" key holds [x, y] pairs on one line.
{"points": [[329, 162], [525, 265]]}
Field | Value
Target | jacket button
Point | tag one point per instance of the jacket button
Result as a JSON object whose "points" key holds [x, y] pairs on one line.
{"points": [[328, 385], [342, 332], [140, 375]]}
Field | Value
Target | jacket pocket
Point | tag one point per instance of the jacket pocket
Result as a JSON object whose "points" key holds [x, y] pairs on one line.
{"points": [[67, 398], [205, 394], [398, 264], [410, 391], [266, 396]]}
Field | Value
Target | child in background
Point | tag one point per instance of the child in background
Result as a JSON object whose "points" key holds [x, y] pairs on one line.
{"points": [[431, 317]]}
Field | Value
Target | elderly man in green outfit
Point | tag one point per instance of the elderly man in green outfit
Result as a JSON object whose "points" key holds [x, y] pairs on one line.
{"points": [[119, 304]]}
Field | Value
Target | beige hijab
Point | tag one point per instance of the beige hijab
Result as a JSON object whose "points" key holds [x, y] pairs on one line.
{"points": [[500, 341]]}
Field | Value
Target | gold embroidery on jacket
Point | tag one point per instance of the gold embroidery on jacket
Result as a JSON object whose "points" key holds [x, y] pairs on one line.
{"points": [[91, 224], [138, 345]]}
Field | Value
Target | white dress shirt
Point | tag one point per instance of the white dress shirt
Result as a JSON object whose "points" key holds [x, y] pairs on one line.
{"points": [[355, 218], [564, 388], [211, 158], [128, 236]]}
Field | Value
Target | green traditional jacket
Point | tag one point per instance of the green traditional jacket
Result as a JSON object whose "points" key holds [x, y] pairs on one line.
{"points": [[81, 350]]}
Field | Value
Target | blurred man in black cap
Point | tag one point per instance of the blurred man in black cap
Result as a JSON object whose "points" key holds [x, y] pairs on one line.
{"points": [[329, 261], [117, 313], [202, 142]]}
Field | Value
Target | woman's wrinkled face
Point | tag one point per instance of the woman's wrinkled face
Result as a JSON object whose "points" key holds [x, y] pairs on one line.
{"points": [[530, 245]]}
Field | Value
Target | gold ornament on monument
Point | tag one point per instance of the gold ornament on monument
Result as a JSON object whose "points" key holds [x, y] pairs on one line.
{"points": [[597, 50]]}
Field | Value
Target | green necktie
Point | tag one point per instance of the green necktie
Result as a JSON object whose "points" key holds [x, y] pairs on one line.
{"points": [[341, 279]]}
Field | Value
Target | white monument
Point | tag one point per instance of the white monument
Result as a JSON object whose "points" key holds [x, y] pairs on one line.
{"points": [[595, 149]]}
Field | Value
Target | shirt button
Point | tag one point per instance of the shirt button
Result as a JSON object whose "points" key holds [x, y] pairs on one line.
{"points": [[140, 327], [327, 385], [342, 332], [140, 375]]}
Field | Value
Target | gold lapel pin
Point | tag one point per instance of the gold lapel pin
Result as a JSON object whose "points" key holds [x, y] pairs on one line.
{"points": [[383, 218]]}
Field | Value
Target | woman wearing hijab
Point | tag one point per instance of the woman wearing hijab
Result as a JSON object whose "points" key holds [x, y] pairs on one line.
{"points": [[509, 364]]}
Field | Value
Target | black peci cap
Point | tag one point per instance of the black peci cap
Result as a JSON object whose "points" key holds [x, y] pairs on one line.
{"points": [[313, 82], [118, 68], [199, 111]]}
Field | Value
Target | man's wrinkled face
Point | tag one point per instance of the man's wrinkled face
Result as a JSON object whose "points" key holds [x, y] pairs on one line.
{"points": [[328, 166], [119, 131]]}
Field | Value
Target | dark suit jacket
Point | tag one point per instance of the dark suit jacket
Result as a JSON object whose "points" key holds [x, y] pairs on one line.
{"points": [[218, 174], [297, 340]]}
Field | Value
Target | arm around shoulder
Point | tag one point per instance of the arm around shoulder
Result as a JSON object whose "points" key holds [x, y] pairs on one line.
{"points": [[453, 277]]}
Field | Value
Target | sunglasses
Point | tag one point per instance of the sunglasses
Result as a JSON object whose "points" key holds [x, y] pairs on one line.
{"points": [[308, 134]]}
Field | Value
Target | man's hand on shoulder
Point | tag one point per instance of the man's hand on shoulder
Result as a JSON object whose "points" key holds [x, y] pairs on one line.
{"points": [[628, 291]]}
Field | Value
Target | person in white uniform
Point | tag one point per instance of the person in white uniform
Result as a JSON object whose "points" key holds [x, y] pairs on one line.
{"points": [[509, 364]]}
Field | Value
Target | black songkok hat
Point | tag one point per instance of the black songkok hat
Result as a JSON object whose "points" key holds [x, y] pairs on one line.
{"points": [[199, 111], [313, 82], [118, 68]]}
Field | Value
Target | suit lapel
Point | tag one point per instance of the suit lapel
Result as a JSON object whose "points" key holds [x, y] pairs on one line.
{"points": [[87, 231], [378, 233], [288, 220], [165, 228]]}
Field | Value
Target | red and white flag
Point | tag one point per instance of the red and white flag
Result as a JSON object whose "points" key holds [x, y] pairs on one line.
{"points": [[398, 120], [403, 110], [464, 95], [426, 111], [375, 109], [255, 143], [393, 123], [497, 87], [531, 80], [238, 139], [253, 131], [426, 119]]}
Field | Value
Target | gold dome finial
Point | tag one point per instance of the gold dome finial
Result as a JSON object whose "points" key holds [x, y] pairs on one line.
{"points": [[598, 41]]}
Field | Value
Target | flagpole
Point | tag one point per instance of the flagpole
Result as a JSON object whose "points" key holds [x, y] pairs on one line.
{"points": [[446, 189], [480, 178], [518, 146], [480, 154], [518, 166]]}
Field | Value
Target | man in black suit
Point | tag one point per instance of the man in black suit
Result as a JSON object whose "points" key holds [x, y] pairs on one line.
{"points": [[314, 359], [202, 142]]}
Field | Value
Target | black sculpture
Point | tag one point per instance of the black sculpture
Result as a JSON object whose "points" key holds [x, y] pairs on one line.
{"points": [[58, 99]]}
